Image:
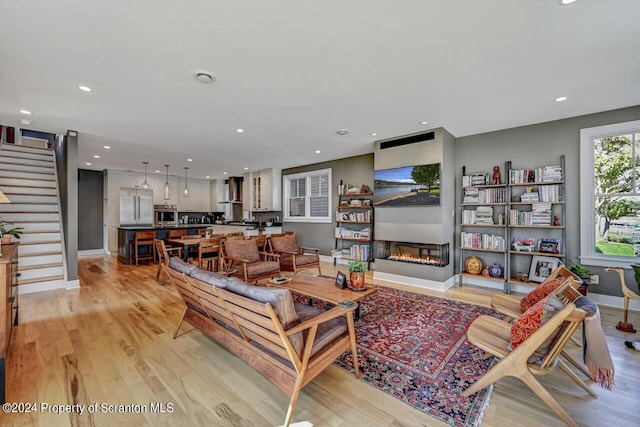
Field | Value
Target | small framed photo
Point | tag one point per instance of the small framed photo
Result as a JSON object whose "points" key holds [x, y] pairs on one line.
{"points": [[551, 246], [366, 202], [356, 235], [341, 280], [542, 267]]}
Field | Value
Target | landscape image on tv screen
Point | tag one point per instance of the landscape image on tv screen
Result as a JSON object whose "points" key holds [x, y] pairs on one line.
{"points": [[407, 186]]}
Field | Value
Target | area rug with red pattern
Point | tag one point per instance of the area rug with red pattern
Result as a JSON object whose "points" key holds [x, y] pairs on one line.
{"points": [[414, 348]]}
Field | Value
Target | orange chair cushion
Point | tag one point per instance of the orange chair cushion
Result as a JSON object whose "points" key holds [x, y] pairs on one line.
{"points": [[540, 292], [242, 249], [531, 320]]}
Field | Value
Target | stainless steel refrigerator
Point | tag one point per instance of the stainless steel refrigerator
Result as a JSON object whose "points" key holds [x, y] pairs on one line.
{"points": [[136, 207]]}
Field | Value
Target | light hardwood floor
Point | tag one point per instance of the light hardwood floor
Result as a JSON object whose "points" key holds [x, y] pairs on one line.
{"points": [[110, 343]]}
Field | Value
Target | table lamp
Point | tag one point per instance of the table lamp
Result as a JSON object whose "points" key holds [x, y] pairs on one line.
{"points": [[3, 199]]}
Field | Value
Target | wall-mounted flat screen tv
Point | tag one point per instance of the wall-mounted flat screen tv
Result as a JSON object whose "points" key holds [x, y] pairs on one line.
{"points": [[407, 186]]}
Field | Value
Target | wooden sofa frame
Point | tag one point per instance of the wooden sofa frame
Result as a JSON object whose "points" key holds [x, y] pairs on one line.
{"points": [[253, 332]]}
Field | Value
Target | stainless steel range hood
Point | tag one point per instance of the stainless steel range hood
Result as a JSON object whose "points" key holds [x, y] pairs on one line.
{"points": [[233, 189]]}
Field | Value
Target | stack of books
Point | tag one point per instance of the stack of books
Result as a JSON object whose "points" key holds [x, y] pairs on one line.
{"points": [[484, 215], [471, 196], [468, 216], [552, 173], [541, 214], [482, 241], [531, 197], [550, 193], [478, 178]]}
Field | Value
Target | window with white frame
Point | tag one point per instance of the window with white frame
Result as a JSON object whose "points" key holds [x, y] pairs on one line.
{"points": [[307, 196], [610, 194]]}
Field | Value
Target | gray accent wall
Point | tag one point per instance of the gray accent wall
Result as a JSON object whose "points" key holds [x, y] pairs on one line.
{"points": [[356, 170], [540, 145], [90, 210], [66, 149]]}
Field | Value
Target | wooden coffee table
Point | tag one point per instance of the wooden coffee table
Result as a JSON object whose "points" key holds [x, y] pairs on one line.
{"points": [[324, 289]]}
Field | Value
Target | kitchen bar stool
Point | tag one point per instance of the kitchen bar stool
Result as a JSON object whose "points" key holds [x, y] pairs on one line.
{"points": [[142, 239]]}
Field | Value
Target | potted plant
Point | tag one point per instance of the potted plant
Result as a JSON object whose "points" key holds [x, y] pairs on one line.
{"points": [[6, 233], [357, 268], [582, 272]]}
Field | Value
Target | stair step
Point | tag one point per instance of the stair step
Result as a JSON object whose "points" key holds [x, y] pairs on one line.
{"points": [[40, 237], [38, 266], [41, 279], [26, 249], [38, 254], [30, 216], [27, 175], [38, 260], [29, 207], [20, 159], [24, 149], [14, 167], [12, 190], [38, 227], [40, 273], [27, 182], [32, 198]]}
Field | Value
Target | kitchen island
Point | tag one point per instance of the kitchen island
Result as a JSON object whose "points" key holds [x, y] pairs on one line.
{"points": [[127, 233]]}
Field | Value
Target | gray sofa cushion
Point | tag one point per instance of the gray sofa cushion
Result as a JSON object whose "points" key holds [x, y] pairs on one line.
{"points": [[181, 266], [210, 277]]}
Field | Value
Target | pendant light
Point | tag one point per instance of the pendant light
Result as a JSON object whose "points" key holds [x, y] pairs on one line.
{"points": [[186, 191], [145, 185], [167, 186]]}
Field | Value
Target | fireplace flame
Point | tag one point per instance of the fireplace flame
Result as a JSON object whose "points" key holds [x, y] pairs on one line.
{"points": [[416, 260]]}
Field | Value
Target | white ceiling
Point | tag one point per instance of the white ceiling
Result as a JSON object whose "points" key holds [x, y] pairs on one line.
{"points": [[293, 72]]}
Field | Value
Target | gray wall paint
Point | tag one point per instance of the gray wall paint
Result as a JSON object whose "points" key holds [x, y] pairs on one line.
{"points": [[66, 149], [90, 210], [540, 145], [353, 170]]}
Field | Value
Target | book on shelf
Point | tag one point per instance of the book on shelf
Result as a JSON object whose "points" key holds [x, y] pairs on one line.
{"points": [[477, 178], [531, 197], [544, 174], [482, 241], [541, 214]]}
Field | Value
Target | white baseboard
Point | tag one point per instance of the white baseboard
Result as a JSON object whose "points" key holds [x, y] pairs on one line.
{"points": [[93, 252], [73, 284], [612, 301]]}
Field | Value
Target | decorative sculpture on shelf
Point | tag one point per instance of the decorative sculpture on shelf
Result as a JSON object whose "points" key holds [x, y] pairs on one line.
{"points": [[496, 175]]}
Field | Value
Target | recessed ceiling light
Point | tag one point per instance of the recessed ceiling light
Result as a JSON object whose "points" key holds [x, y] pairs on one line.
{"points": [[204, 76], [157, 171], [106, 147], [246, 169], [85, 88], [342, 132], [207, 177], [424, 122], [374, 134], [25, 121], [88, 163], [566, 2], [317, 151], [561, 98], [189, 160], [27, 112], [239, 130], [224, 173], [95, 156]]}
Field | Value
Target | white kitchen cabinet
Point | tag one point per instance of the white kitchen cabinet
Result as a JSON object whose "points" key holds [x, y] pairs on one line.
{"points": [[265, 190], [199, 199]]}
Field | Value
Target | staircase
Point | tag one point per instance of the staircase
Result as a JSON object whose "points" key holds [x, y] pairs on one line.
{"points": [[27, 178]]}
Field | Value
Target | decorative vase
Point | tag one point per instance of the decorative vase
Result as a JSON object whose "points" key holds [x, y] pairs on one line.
{"points": [[6, 239], [473, 265], [495, 270], [357, 280]]}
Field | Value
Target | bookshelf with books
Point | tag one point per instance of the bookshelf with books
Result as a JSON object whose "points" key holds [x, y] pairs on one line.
{"points": [[483, 232], [354, 227], [536, 219]]}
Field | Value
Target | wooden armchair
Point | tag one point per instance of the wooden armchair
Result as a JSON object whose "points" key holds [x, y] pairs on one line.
{"points": [[208, 252], [294, 257], [164, 254], [493, 336], [252, 264]]}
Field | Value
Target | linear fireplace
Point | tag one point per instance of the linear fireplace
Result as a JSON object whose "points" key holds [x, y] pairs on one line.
{"points": [[414, 253]]}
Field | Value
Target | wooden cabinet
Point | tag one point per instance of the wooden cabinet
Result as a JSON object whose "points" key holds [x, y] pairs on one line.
{"points": [[265, 190], [200, 198], [9, 294]]}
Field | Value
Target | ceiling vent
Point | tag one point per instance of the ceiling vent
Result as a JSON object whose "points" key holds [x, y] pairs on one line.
{"points": [[204, 76], [429, 136]]}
